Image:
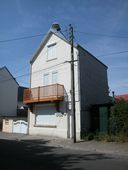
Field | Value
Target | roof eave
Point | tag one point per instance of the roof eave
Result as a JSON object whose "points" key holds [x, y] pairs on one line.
{"points": [[47, 36], [79, 46]]}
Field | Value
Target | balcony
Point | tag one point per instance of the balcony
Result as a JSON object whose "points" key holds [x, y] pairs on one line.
{"points": [[54, 92]]}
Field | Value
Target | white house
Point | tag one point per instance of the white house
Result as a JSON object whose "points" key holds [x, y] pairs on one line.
{"points": [[49, 96]]}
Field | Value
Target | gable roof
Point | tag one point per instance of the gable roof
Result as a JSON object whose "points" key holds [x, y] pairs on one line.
{"points": [[61, 36], [43, 42], [79, 46], [4, 67]]}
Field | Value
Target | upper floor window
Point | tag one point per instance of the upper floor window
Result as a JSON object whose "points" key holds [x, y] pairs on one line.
{"points": [[46, 79], [54, 77], [51, 51]]}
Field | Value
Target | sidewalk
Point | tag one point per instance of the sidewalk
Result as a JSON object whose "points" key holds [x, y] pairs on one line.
{"points": [[90, 146]]}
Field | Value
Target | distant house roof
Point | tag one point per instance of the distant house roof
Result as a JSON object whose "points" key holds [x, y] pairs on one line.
{"points": [[2, 68], [124, 96]]}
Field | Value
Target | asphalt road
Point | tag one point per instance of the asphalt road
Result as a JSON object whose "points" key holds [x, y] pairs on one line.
{"points": [[37, 155]]}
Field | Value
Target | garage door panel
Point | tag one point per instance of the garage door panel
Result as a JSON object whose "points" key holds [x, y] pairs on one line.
{"points": [[45, 115]]}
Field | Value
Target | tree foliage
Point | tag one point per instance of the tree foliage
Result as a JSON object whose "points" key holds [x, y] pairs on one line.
{"points": [[119, 118]]}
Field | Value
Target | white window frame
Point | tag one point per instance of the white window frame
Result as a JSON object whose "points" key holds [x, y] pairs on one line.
{"points": [[51, 52], [44, 83], [54, 81]]}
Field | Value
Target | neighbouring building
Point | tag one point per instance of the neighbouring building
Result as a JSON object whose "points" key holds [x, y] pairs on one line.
{"points": [[123, 96], [13, 112], [8, 93], [22, 109], [49, 96]]}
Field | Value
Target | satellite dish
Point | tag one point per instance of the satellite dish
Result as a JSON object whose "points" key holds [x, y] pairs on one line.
{"points": [[56, 26]]}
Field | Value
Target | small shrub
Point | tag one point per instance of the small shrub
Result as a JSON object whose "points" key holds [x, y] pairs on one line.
{"points": [[90, 136]]}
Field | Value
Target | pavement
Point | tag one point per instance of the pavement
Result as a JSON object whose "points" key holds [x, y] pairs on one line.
{"points": [[119, 149]]}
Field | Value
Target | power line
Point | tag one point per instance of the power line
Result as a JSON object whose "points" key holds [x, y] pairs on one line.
{"points": [[98, 34], [27, 74], [120, 52], [26, 37], [21, 38], [41, 34]]}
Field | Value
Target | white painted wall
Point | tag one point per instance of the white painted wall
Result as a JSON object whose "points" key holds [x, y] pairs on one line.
{"points": [[8, 94], [40, 67]]}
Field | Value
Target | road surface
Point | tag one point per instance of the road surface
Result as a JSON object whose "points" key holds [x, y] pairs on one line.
{"points": [[37, 155]]}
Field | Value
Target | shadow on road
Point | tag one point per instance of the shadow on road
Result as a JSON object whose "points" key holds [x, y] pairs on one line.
{"points": [[36, 155]]}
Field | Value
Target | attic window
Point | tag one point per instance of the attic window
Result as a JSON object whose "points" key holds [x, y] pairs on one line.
{"points": [[51, 51]]}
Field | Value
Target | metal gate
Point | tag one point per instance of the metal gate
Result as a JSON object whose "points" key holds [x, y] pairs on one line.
{"points": [[20, 126]]}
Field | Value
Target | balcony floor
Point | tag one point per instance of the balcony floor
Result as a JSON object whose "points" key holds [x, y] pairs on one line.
{"points": [[51, 99]]}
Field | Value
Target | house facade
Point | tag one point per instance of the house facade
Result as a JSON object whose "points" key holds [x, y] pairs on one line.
{"points": [[49, 96]]}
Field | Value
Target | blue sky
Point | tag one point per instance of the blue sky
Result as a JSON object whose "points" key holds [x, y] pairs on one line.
{"points": [[21, 18]]}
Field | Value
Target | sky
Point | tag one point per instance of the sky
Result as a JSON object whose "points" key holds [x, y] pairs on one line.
{"points": [[100, 26]]}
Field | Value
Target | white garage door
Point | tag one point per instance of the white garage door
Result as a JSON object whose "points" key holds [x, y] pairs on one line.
{"points": [[45, 115], [20, 126]]}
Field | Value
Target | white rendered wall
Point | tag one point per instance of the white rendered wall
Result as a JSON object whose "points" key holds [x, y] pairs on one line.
{"points": [[40, 67]]}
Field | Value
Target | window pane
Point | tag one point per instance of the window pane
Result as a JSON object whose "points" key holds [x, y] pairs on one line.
{"points": [[46, 79], [55, 77], [51, 51]]}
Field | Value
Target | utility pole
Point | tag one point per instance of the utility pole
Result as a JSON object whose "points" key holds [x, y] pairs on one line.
{"points": [[71, 40]]}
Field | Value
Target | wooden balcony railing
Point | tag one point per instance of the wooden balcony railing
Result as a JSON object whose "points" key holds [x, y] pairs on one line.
{"points": [[53, 92]]}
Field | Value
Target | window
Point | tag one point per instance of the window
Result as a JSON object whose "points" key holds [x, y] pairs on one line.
{"points": [[54, 77], [51, 51], [46, 79]]}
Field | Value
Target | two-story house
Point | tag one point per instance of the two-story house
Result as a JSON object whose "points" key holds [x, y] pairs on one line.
{"points": [[49, 96]]}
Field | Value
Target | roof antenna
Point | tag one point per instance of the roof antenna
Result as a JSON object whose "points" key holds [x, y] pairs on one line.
{"points": [[56, 27]]}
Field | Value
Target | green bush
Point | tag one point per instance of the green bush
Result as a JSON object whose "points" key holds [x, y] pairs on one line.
{"points": [[118, 123], [88, 137], [103, 137], [110, 137]]}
